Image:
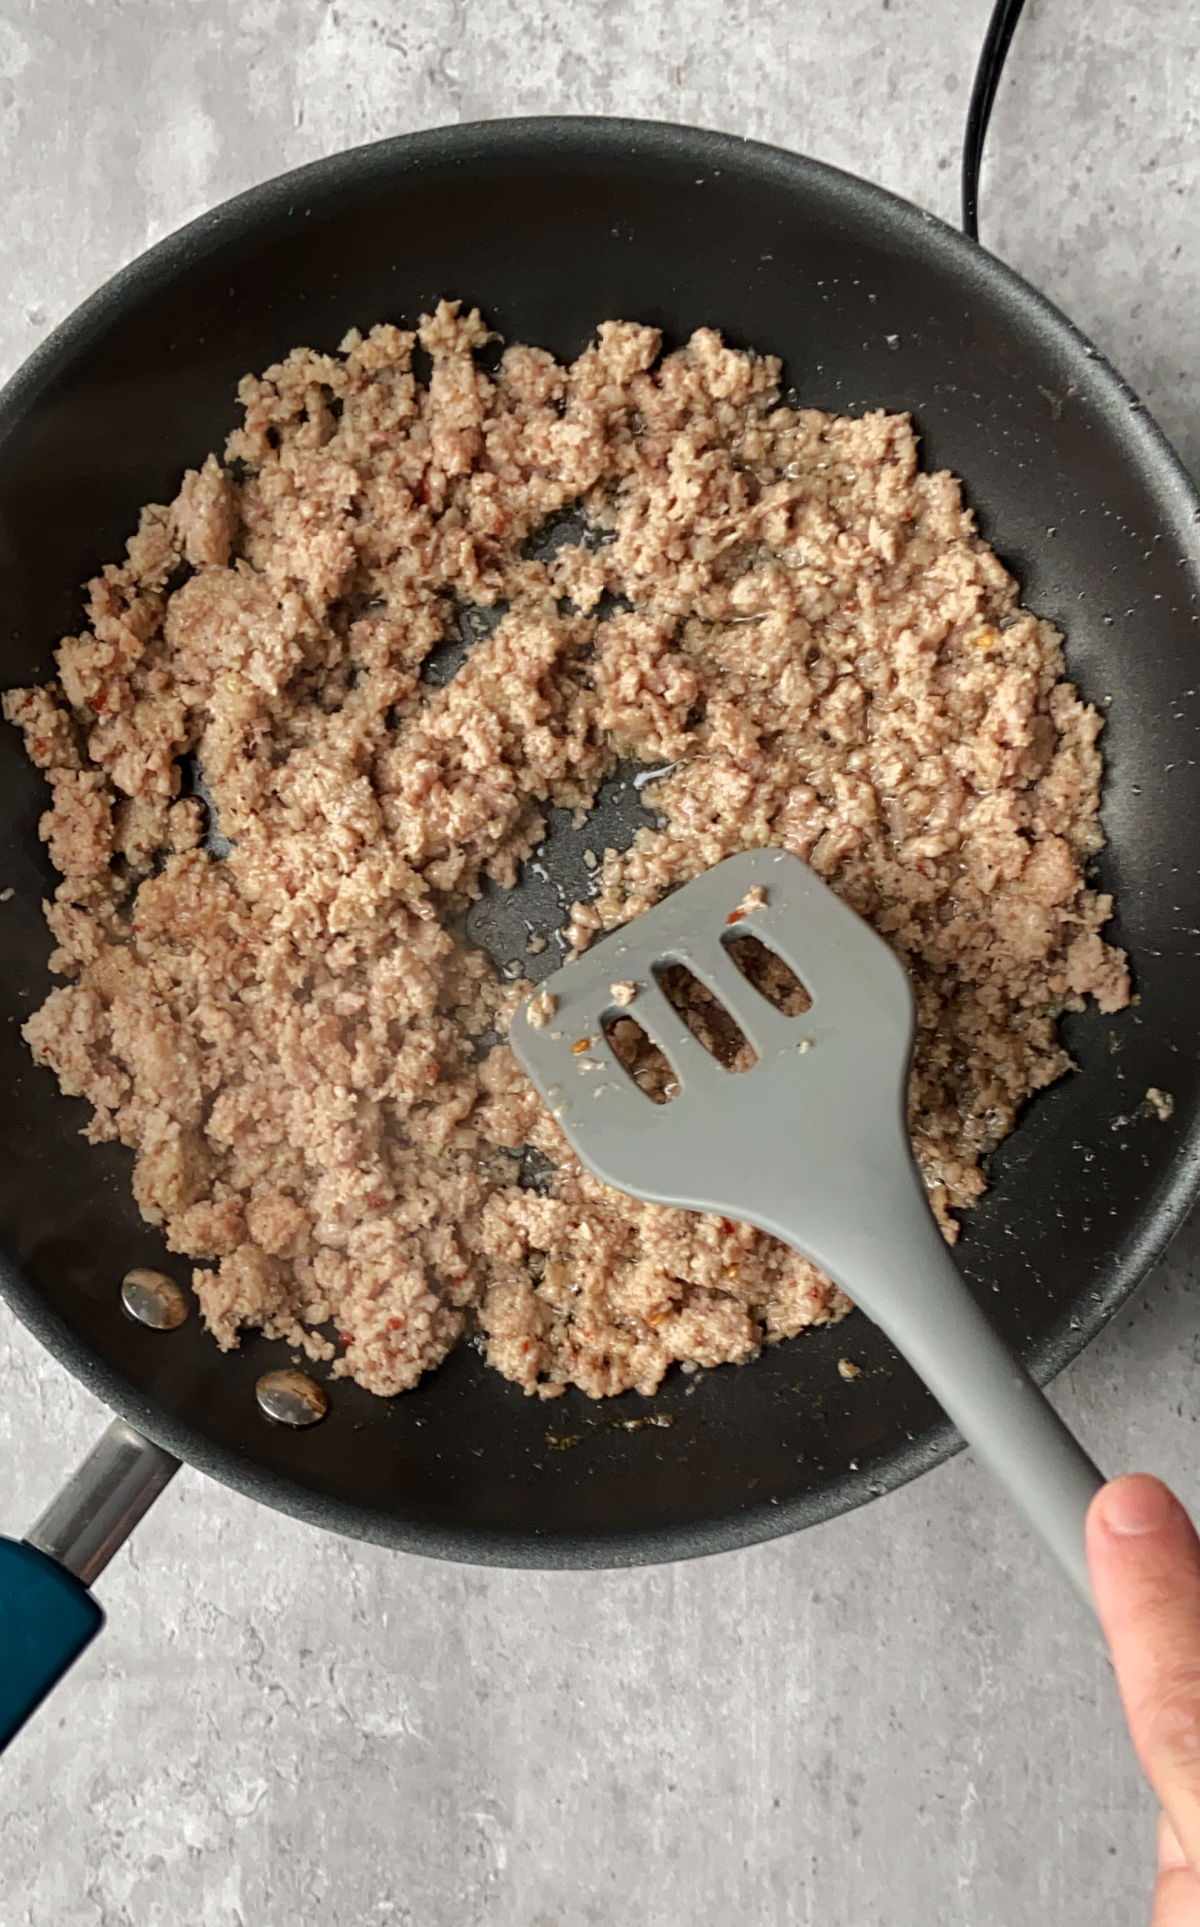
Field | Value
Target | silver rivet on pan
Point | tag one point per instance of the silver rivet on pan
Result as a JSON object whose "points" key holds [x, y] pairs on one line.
{"points": [[292, 1398], [153, 1299]]}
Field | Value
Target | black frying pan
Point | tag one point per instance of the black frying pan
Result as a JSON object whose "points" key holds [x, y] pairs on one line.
{"points": [[551, 226]]}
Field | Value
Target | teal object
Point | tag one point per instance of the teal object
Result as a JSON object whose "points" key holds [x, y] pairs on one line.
{"points": [[47, 1617]]}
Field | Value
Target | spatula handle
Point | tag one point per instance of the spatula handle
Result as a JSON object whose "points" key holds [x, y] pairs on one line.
{"points": [[920, 1299], [1006, 1420]]}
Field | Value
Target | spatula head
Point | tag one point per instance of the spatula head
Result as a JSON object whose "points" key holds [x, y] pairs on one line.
{"points": [[805, 1125]]}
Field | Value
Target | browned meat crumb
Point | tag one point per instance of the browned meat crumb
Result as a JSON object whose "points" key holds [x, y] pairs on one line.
{"points": [[754, 899], [811, 646], [1160, 1102], [848, 1370]]}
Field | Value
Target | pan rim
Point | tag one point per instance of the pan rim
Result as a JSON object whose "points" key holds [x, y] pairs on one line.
{"points": [[627, 142]]}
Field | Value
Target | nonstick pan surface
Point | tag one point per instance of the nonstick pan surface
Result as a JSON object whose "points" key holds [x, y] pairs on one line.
{"points": [[550, 227]]}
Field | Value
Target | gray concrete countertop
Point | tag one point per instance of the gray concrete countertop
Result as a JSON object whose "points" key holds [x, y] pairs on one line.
{"points": [[896, 1718]]}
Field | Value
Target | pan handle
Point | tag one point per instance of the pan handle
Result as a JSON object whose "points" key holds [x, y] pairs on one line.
{"points": [[47, 1611]]}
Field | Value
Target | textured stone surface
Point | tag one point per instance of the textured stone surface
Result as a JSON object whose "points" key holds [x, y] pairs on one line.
{"points": [[897, 1717]]}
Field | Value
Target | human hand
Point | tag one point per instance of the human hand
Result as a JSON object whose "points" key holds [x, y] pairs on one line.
{"points": [[1144, 1556]]}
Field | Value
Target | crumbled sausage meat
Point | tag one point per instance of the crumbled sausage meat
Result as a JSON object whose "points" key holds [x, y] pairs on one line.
{"points": [[808, 634]]}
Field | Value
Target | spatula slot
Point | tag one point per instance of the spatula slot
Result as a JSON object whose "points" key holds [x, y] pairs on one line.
{"points": [[765, 970], [641, 1058], [706, 1017]]}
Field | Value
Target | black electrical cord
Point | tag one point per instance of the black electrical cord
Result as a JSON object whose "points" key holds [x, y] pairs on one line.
{"points": [[997, 41]]}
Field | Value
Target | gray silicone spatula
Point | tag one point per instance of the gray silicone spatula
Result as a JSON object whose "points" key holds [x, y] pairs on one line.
{"points": [[809, 1144]]}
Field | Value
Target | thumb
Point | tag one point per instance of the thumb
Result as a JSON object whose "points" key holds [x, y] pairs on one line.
{"points": [[1145, 1564], [1177, 1890]]}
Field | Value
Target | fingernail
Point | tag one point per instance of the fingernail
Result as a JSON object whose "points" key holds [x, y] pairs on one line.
{"points": [[1135, 1505]]}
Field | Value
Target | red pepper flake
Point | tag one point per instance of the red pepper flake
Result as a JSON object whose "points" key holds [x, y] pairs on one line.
{"points": [[395, 1324], [735, 916], [433, 1072], [345, 1338], [728, 1227]]}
